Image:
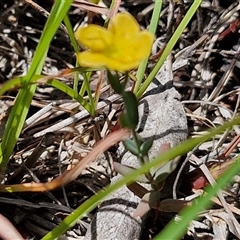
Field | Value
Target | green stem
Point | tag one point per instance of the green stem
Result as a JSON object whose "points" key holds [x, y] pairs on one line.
{"points": [[89, 93], [169, 46], [140, 157], [75, 47], [152, 29]]}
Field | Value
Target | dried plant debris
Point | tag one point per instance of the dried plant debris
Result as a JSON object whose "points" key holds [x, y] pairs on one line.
{"points": [[58, 133]]}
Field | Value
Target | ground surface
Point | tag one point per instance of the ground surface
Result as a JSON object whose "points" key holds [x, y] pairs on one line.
{"points": [[208, 82]]}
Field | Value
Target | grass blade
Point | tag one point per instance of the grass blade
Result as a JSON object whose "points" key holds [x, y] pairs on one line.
{"points": [[152, 29], [169, 46], [23, 100]]}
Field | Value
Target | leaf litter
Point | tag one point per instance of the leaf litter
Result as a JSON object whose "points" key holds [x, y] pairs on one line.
{"points": [[206, 75]]}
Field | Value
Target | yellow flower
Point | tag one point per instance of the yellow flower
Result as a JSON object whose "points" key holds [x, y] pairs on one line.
{"points": [[120, 47]]}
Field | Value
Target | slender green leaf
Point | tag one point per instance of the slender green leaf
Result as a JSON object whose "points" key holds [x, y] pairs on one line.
{"points": [[14, 83], [131, 146], [115, 82], [75, 47], [124, 170], [145, 146], [169, 46], [20, 109], [91, 203], [152, 29], [199, 204], [70, 92], [131, 107]]}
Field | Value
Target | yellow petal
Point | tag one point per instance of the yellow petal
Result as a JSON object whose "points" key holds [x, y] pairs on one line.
{"points": [[94, 37], [120, 47], [91, 59], [123, 25], [129, 41], [132, 50], [95, 60], [141, 48]]}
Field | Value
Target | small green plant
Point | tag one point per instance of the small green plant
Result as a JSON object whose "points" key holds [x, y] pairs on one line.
{"points": [[121, 49]]}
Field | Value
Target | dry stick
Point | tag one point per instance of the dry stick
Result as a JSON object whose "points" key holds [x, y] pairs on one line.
{"points": [[206, 74], [60, 171], [37, 115], [44, 12], [217, 90], [76, 117], [72, 174], [162, 117], [231, 207], [77, 3], [115, 8], [230, 148], [46, 141], [40, 9], [92, 7], [225, 78]]}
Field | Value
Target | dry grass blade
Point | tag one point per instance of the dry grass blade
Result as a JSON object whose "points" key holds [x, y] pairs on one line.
{"points": [[72, 174], [234, 223]]}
